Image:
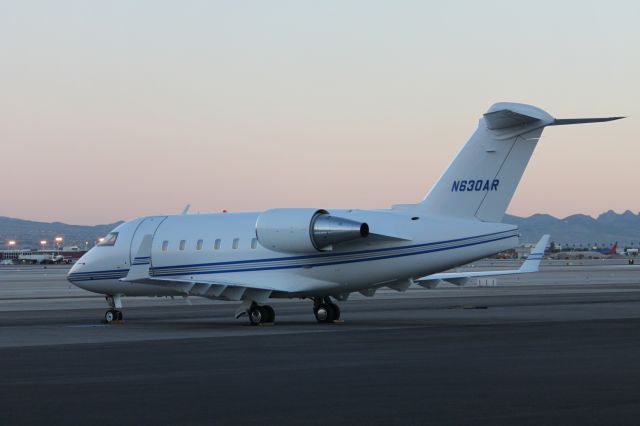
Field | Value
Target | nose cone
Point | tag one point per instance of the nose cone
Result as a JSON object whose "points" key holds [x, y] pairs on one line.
{"points": [[76, 271], [75, 268]]}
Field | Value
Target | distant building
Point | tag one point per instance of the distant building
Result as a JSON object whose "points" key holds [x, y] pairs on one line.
{"points": [[17, 255], [576, 255], [521, 252]]}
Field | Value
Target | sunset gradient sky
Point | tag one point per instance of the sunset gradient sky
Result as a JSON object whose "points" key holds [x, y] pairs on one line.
{"points": [[116, 109]]}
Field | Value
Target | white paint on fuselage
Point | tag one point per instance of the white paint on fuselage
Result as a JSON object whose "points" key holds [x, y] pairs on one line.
{"points": [[306, 277]]}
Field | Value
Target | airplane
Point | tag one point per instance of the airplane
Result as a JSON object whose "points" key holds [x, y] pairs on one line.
{"points": [[609, 251], [39, 258], [324, 254]]}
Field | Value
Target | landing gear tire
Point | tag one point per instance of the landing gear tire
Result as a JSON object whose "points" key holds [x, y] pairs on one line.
{"points": [[261, 314], [112, 315], [336, 312], [270, 314], [322, 313], [256, 315], [327, 312]]}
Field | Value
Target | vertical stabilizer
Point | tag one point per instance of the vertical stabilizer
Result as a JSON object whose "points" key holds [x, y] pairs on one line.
{"points": [[483, 177]]}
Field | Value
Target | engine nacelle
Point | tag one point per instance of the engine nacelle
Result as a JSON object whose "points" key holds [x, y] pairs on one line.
{"points": [[305, 230]]}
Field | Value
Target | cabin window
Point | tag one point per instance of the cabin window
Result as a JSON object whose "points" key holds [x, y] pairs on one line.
{"points": [[254, 243], [165, 245], [183, 243], [236, 243], [216, 245], [199, 245]]}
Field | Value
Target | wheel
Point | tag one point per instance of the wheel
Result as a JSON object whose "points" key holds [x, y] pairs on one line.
{"points": [[110, 316], [256, 315], [270, 314], [336, 312], [324, 312]]}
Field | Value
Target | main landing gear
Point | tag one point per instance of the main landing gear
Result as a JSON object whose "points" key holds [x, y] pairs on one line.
{"points": [[113, 314], [261, 314], [325, 310]]}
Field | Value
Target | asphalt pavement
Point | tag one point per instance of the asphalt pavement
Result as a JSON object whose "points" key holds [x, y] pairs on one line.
{"points": [[530, 354]]}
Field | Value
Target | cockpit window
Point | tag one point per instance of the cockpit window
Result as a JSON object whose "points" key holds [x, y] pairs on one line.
{"points": [[109, 240]]}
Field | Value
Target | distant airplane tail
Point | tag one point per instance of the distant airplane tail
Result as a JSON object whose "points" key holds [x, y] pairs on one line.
{"points": [[612, 250], [481, 180]]}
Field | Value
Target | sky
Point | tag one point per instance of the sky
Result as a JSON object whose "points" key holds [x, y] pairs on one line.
{"points": [[112, 110]]}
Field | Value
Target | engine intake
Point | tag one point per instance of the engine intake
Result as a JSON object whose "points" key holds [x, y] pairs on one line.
{"points": [[306, 230]]}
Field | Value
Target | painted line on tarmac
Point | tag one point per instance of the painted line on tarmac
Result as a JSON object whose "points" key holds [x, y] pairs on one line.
{"points": [[49, 297], [86, 326]]}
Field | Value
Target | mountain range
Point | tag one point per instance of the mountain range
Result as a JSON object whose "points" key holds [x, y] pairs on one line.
{"points": [[28, 233], [577, 229]]}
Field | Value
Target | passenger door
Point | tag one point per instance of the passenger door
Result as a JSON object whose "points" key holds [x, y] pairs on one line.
{"points": [[148, 226]]}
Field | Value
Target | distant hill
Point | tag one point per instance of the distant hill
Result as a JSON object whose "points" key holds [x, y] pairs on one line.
{"points": [[28, 234], [577, 229]]}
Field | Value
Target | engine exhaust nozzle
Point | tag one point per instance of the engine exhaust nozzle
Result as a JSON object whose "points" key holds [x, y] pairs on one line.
{"points": [[328, 230]]}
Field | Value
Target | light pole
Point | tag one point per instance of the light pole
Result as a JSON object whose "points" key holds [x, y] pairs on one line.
{"points": [[59, 241], [43, 243], [10, 245]]}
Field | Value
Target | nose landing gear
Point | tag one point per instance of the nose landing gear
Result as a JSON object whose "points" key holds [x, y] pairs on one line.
{"points": [[113, 314], [325, 310]]}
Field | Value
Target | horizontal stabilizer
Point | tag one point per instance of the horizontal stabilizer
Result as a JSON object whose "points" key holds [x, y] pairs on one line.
{"points": [[564, 121], [513, 115], [506, 118]]}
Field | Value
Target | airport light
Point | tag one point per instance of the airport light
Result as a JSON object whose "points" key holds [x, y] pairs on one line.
{"points": [[58, 241], [11, 243], [43, 243]]}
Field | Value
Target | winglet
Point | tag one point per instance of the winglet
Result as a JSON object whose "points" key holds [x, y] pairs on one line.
{"points": [[532, 264], [186, 209]]}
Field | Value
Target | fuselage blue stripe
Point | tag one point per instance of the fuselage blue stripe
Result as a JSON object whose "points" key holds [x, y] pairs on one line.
{"points": [[330, 263], [180, 269], [294, 261], [328, 255]]}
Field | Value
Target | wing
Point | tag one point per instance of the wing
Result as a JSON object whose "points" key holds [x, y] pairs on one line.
{"points": [[532, 264], [211, 289]]}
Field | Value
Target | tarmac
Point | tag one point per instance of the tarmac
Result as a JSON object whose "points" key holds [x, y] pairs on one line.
{"points": [[553, 348]]}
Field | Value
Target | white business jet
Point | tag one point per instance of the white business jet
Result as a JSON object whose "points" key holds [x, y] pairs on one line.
{"points": [[326, 254]]}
